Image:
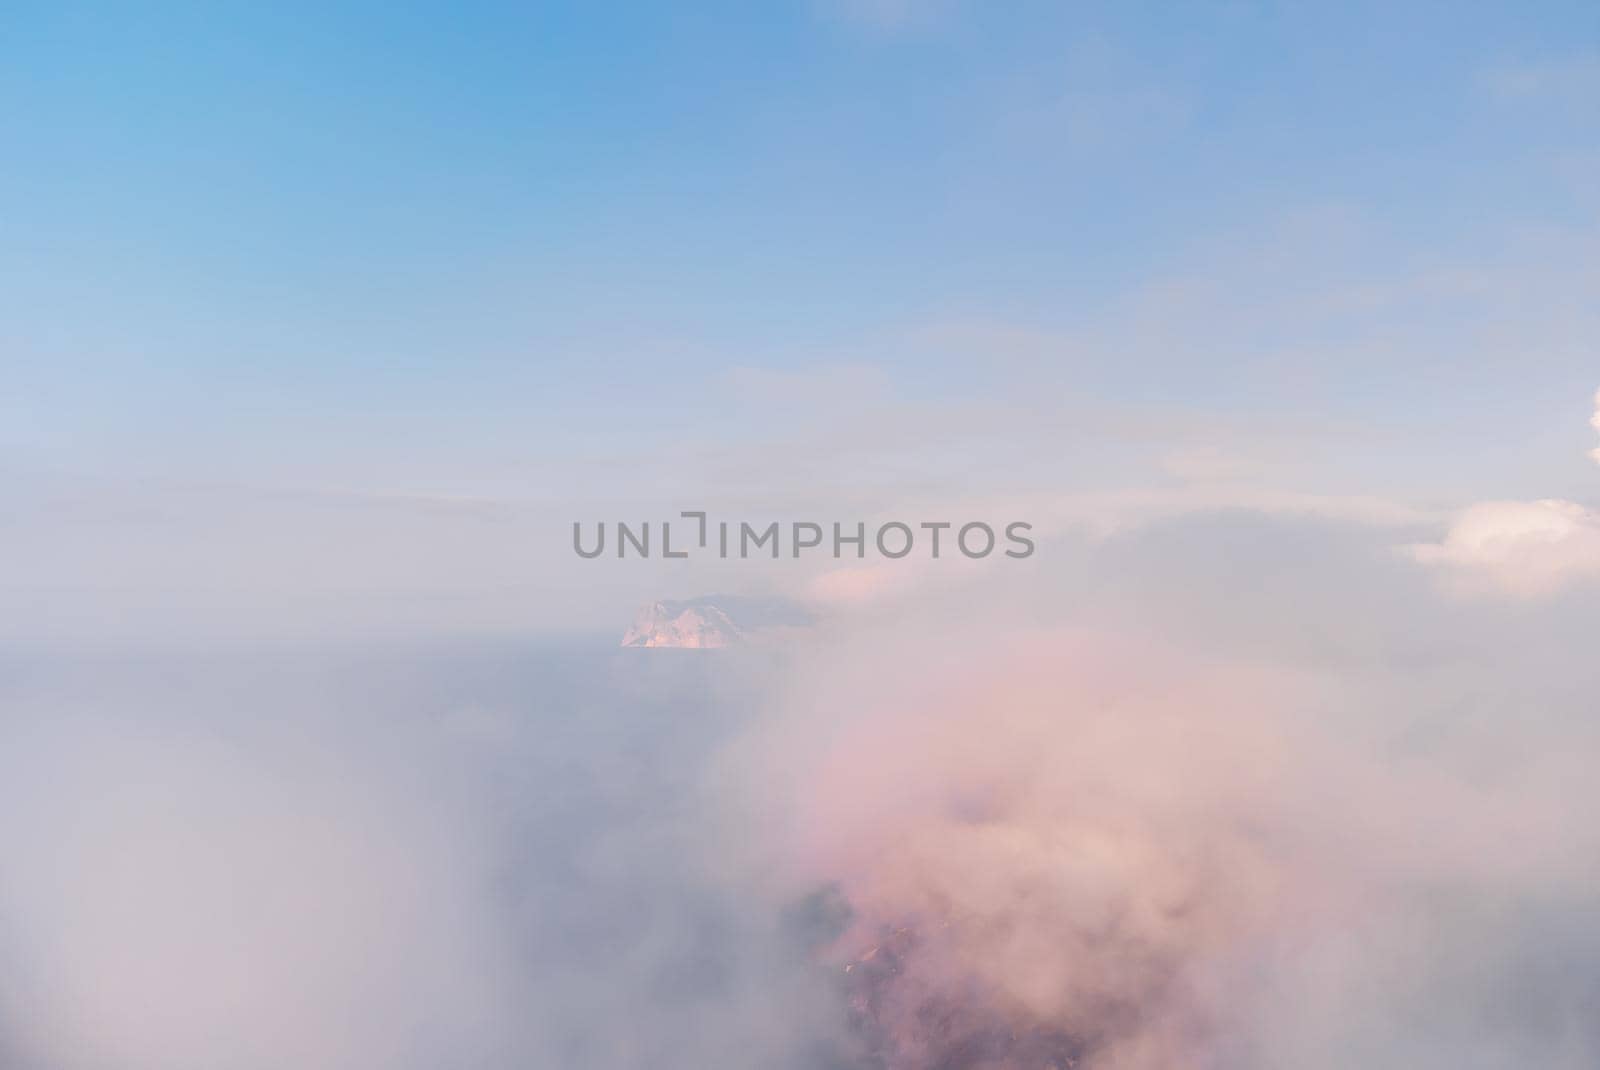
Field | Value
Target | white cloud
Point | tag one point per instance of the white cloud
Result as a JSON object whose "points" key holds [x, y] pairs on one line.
{"points": [[1594, 422], [1526, 549]]}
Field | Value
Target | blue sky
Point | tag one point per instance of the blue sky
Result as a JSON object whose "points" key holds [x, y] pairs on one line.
{"points": [[581, 253]]}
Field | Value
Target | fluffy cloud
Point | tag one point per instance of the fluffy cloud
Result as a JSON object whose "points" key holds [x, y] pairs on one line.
{"points": [[1208, 847], [1594, 422], [1526, 549]]}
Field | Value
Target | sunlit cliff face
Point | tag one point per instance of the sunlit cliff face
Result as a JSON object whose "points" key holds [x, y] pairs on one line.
{"points": [[901, 1020]]}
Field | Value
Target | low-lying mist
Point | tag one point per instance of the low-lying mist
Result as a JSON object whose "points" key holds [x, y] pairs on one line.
{"points": [[1225, 793]]}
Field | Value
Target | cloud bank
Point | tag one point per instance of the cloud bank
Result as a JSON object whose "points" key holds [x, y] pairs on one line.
{"points": [[1209, 847], [1219, 791]]}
